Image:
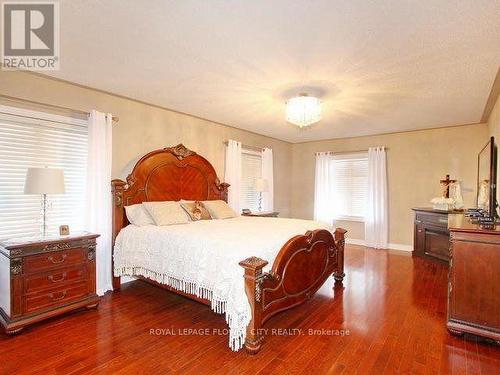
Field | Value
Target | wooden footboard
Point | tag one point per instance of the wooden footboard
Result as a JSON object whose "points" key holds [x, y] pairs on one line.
{"points": [[302, 266]]}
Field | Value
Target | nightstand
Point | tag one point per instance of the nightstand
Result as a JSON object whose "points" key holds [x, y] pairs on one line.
{"points": [[44, 277], [261, 214]]}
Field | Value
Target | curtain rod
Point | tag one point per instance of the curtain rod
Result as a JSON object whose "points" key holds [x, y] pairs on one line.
{"points": [[348, 152], [255, 148], [65, 109]]}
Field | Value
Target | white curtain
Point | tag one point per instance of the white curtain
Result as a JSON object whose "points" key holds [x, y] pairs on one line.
{"points": [[323, 188], [376, 219], [232, 174], [267, 174], [98, 194]]}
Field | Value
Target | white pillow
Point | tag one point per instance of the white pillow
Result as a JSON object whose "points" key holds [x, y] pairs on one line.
{"points": [[219, 209], [137, 215], [166, 213]]}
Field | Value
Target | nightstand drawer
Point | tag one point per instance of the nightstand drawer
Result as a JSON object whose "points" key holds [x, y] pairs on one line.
{"points": [[54, 279], [40, 301], [53, 260]]}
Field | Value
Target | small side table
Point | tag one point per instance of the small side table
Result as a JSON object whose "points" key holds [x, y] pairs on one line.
{"points": [[45, 277], [262, 214]]}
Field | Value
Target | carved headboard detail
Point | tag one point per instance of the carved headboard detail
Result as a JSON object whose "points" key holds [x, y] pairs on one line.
{"points": [[171, 173]]}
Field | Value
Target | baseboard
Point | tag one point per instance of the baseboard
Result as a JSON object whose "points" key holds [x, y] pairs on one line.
{"points": [[391, 246], [127, 279], [400, 247], [354, 241]]}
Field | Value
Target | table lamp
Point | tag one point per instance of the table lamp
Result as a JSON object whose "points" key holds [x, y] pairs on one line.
{"points": [[261, 186], [44, 181]]}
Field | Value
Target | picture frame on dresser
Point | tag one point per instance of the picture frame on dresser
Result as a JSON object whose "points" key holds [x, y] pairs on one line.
{"points": [[45, 277]]}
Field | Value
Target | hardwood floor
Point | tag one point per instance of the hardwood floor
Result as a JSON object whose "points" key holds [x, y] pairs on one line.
{"points": [[391, 310]]}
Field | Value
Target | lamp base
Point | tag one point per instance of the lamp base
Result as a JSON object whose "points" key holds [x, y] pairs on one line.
{"points": [[43, 213]]}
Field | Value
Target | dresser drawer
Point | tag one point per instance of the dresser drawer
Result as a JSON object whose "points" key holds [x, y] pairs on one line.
{"points": [[60, 296], [435, 219], [54, 279], [53, 260]]}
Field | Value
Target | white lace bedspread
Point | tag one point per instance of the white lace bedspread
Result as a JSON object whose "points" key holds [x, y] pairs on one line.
{"points": [[202, 258]]}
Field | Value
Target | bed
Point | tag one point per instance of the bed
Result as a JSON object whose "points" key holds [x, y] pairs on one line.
{"points": [[246, 267]]}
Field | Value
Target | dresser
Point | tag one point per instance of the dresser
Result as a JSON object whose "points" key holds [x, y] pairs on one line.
{"points": [[42, 278], [474, 279], [431, 234]]}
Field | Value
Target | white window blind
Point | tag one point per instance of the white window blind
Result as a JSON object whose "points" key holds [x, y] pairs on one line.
{"points": [[350, 186], [251, 168], [35, 139]]}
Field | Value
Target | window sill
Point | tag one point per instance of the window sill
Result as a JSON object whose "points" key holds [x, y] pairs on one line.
{"points": [[359, 219]]}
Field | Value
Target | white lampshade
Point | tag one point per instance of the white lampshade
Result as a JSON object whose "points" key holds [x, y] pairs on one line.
{"points": [[260, 185], [44, 181]]}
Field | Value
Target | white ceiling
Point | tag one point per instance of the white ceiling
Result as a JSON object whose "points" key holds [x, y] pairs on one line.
{"points": [[378, 66]]}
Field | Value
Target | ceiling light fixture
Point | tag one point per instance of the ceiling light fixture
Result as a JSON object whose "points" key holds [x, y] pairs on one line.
{"points": [[303, 110]]}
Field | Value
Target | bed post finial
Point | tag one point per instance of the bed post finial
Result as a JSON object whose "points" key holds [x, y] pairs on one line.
{"points": [[339, 236], [253, 277], [223, 188]]}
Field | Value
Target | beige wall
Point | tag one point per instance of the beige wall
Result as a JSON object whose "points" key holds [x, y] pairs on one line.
{"points": [[143, 128], [494, 122], [416, 161], [494, 129]]}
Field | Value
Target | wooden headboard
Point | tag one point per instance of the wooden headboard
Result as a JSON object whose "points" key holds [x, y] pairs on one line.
{"points": [[168, 174]]}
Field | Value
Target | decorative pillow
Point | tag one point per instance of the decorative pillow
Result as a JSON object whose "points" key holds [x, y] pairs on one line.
{"points": [[196, 210], [219, 209], [138, 215], [166, 213]]}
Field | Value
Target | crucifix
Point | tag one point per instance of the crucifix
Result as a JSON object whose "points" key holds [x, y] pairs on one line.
{"points": [[445, 186]]}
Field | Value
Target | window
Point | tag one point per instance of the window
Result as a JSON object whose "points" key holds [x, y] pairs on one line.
{"points": [[36, 139], [251, 168], [350, 188]]}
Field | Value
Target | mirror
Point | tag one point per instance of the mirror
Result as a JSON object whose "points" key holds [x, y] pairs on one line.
{"points": [[486, 178]]}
